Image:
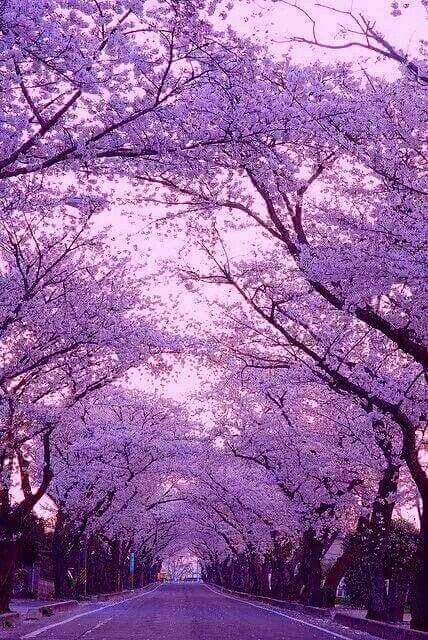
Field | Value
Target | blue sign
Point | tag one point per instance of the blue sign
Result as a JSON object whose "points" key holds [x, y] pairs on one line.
{"points": [[132, 562]]}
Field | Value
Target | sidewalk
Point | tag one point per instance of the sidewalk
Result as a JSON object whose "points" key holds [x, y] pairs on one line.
{"points": [[33, 609], [21, 605], [361, 613], [28, 610]]}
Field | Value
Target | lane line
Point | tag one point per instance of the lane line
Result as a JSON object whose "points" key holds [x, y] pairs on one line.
{"points": [[36, 633], [99, 624], [279, 613]]}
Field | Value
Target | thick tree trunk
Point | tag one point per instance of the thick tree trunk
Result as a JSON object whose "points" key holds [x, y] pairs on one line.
{"points": [[241, 579], [217, 579], [397, 595], [227, 571], [124, 567], [253, 573], [94, 564], [377, 543], [13, 517], [114, 566], [156, 568], [310, 571], [8, 559], [419, 600], [147, 570], [212, 569], [60, 567], [378, 599], [262, 570], [341, 565], [234, 573], [294, 578], [313, 592], [138, 579], [280, 581], [62, 557]]}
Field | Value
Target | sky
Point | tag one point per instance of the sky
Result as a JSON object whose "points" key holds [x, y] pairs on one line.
{"points": [[285, 21]]}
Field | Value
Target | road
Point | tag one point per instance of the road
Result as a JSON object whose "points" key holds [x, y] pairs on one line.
{"points": [[181, 612]]}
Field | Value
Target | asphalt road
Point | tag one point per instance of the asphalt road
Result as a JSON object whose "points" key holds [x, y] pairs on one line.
{"points": [[181, 612]]}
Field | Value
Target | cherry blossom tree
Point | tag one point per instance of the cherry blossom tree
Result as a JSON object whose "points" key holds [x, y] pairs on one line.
{"points": [[314, 446], [87, 83], [305, 191], [70, 324], [333, 187], [233, 508], [114, 475]]}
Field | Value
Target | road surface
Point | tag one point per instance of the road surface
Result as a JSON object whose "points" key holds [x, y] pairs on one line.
{"points": [[181, 612]]}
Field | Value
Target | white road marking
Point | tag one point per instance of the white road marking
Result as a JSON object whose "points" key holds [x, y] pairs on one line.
{"points": [[36, 633], [99, 624], [279, 613]]}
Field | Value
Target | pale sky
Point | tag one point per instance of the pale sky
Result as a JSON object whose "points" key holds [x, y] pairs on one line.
{"points": [[284, 21]]}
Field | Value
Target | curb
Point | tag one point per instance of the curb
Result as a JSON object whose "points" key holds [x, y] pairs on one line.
{"points": [[290, 605], [317, 612], [50, 609], [379, 629], [103, 597], [35, 613]]}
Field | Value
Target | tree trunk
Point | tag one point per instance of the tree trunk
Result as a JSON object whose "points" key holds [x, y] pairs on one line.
{"points": [[253, 573], [397, 595], [377, 543], [310, 571], [60, 566], [294, 580], [8, 558], [280, 581], [419, 600], [341, 565], [241, 580], [62, 557], [138, 579], [378, 598], [263, 570], [114, 566], [227, 572]]}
